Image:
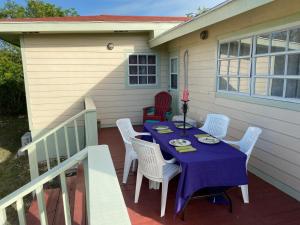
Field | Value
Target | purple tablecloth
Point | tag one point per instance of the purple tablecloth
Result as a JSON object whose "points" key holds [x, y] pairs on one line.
{"points": [[218, 165]]}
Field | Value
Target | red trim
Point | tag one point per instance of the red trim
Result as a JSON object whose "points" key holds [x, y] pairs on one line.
{"points": [[101, 18]]}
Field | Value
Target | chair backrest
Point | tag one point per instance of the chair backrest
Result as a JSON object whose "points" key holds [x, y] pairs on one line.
{"points": [[126, 129], [248, 141], [216, 125], [150, 159], [163, 102], [179, 118]]}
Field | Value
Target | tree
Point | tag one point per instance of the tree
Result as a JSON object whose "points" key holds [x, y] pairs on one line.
{"points": [[199, 11], [12, 93], [12, 10], [34, 9]]}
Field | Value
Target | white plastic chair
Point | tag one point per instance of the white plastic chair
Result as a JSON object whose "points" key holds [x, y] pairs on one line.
{"points": [[246, 145], [153, 166], [188, 120], [127, 131], [216, 125]]}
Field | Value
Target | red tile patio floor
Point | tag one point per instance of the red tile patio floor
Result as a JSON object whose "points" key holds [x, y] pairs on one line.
{"points": [[268, 205]]}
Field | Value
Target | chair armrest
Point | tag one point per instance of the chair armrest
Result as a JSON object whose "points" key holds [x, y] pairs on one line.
{"points": [[168, 115], [173, 160], [232, 142], [142, 134], [146, 108]]}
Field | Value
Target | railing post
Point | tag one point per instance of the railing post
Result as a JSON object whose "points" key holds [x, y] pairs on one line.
{"points": [[41, 205], [21, 211], [67, 141], [33, 162], [91, 131], [65, 197], [47, 153], [2, 217], [86, 184]]}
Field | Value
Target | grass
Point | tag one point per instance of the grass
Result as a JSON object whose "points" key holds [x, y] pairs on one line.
{"points": [[14, 172]]}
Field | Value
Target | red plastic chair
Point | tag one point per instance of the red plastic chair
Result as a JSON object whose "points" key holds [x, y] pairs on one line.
{"points": [[162, 105]]}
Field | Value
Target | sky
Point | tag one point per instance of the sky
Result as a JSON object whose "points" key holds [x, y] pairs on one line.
{"points": [[132, 7]]}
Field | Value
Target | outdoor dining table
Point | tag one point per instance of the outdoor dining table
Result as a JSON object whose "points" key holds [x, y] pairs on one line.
{"points": [[211, 165]]}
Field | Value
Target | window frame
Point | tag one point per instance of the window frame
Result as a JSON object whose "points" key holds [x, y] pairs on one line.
{"points": [[238, 76], [253, 56], [170, 72], [152, 85]]}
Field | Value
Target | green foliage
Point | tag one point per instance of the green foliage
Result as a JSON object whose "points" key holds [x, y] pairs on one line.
{"points": [[38, 8], [10, 64], [12, 10], [34, 9], [199, 11], [12, 93]]}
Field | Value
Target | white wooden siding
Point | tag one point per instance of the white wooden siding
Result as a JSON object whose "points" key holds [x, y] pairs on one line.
{"points": [[62, 69], [277, 153]]}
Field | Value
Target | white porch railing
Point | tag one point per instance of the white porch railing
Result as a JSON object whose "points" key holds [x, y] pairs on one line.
{"points": [[90, 133], [105, 203], [104, 200]]}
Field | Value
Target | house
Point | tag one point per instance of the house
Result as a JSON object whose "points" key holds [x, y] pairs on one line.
{"points": [[244, 59]]}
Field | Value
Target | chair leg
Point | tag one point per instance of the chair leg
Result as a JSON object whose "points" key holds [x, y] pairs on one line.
{"points": [[245, 193], [126, 170], [139, 179], [229, 200], [154, 185], [164, 194], [134, 162]]}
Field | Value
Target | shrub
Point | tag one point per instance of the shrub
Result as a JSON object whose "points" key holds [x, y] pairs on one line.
{"points": [[12, 93]]}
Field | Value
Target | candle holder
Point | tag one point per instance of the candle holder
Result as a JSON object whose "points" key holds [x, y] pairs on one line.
{"points": [[184, 110]]}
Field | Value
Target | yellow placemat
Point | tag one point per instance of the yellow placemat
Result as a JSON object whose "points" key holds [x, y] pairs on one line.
{"points": [[165, 131], [201, 135], [186, 149]]}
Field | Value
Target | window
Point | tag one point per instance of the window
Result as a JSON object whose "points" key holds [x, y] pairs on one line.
{"points": [[142, 69], [173, 73], [264, 65], [234, 66]]}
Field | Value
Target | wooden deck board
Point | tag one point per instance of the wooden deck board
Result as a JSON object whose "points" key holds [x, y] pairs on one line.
{"points": [[79, 214], [51, 199], [268, 205], [54, 205]]}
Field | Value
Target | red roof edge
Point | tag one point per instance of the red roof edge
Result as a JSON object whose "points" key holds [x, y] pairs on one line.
{"points": [[102, 18]]}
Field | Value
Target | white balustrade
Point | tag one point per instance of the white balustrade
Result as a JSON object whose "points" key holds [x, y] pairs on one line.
{"points": [[103, 207], [90, 132]]}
